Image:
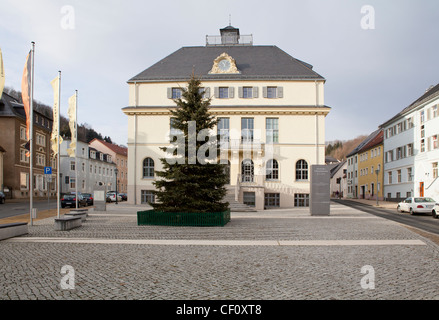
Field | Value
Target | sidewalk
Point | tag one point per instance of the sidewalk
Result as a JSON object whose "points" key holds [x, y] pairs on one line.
{"points": [[283, 254], [381, 204]]}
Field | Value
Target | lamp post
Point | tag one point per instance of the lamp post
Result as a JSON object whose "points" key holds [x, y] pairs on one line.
{"points": [[116, 171], [377, 171]]}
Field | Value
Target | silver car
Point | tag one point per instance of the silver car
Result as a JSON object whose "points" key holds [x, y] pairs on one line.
{"points": [[416, 205]]}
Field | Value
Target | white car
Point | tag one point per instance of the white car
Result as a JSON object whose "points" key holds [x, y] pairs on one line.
{"points": [[111, 197], [416, 205], [435, 211]]}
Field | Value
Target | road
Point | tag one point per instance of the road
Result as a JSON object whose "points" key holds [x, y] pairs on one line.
{"points": [[421, 221], [18, 207]]}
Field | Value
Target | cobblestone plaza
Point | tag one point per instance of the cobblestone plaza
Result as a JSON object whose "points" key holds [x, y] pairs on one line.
{"points": [[267, 255]]}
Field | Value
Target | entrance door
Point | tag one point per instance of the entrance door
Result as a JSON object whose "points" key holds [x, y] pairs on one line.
{"points": [[247, 170]]}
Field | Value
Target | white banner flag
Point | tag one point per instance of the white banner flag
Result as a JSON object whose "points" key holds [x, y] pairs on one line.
{"points": [[72, 123], [55, 85]]}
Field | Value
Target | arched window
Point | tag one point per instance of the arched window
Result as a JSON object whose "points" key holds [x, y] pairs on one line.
{"points": [[301, 170], [247, 170], [272, 170], [148, 168]]}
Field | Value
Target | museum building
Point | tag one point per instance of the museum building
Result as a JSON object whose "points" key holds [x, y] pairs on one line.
{"points": [[271, 113]]}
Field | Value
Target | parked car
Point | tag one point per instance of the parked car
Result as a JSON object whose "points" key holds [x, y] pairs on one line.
{"points": [[69, 200], [111, 197], [416, 205], [124, 196], [435, 210], [2, 197], [88, 197]]}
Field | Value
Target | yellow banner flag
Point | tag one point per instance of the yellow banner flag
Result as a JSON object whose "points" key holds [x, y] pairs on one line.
{"points": [[55, 136], [72, 123], [2, 75]]}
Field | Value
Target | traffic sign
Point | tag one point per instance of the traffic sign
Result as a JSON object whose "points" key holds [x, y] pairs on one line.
{"points": [[47, 170]]}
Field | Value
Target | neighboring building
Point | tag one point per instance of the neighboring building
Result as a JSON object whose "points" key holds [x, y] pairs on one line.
{"points": [[265, 100], [93, 168], [16, 166], [412, 150], [338, 182], [370, 159], [353, 167], [119, 156]]}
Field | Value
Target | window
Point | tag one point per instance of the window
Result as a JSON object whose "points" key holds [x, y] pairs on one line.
{"points": [[390, 177], [434, 111], [422, 145], [174, 130], [148, 168], [301, 200], [223, 93], [273, 92], [399, 176], [41, 140], [272, 200], [435, 143], [223, 129], [247, 92], [422, 116], [147, 196], [93, 154], [247, 126], [176, 93], [91, 168], [272, 130], [23, 133], [72, 183], [249, 199], [410, 150], [247, 168], [409, 174], [435, 170], [24, 181], [72, 165], [41, 159], [23, 157], [83, 167], [301, 170], [272, 170]]}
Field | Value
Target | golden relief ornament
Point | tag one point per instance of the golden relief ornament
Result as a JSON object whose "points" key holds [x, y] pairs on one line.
{"points": [[224, 64]]}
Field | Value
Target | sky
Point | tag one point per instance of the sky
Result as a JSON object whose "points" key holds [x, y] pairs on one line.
{"points": [[377, 56]]}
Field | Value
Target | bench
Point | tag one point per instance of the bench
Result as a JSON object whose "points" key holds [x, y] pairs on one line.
{"points": [[11, 230], [80, 211], [82, 215], [67, 223]]}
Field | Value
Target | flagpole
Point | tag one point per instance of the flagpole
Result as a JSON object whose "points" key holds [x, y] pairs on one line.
{"points": [[31, 134], [58, 150], [76, 148]]}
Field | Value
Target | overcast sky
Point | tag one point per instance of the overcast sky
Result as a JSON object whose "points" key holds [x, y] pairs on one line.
{"points": [[372, 73]]}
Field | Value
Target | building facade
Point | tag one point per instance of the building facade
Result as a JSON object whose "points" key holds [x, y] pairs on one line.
{"points": [[119, 156], [271, 113], [93, 168], [411, 150], [16, 165], [370, 168], [338, 180]]}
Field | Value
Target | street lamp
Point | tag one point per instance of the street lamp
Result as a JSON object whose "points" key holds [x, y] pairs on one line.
{"points": [[116, 171], [377, 171]]}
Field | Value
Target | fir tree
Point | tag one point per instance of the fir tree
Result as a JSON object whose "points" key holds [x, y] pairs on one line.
{"points": [[186, 186]]}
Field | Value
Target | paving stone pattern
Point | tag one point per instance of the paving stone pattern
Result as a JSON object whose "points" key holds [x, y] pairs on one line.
{"points": [[32, 270]]}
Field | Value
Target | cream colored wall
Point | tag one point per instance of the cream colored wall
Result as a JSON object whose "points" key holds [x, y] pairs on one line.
{"points": [[303, 93], [301, 130]]}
